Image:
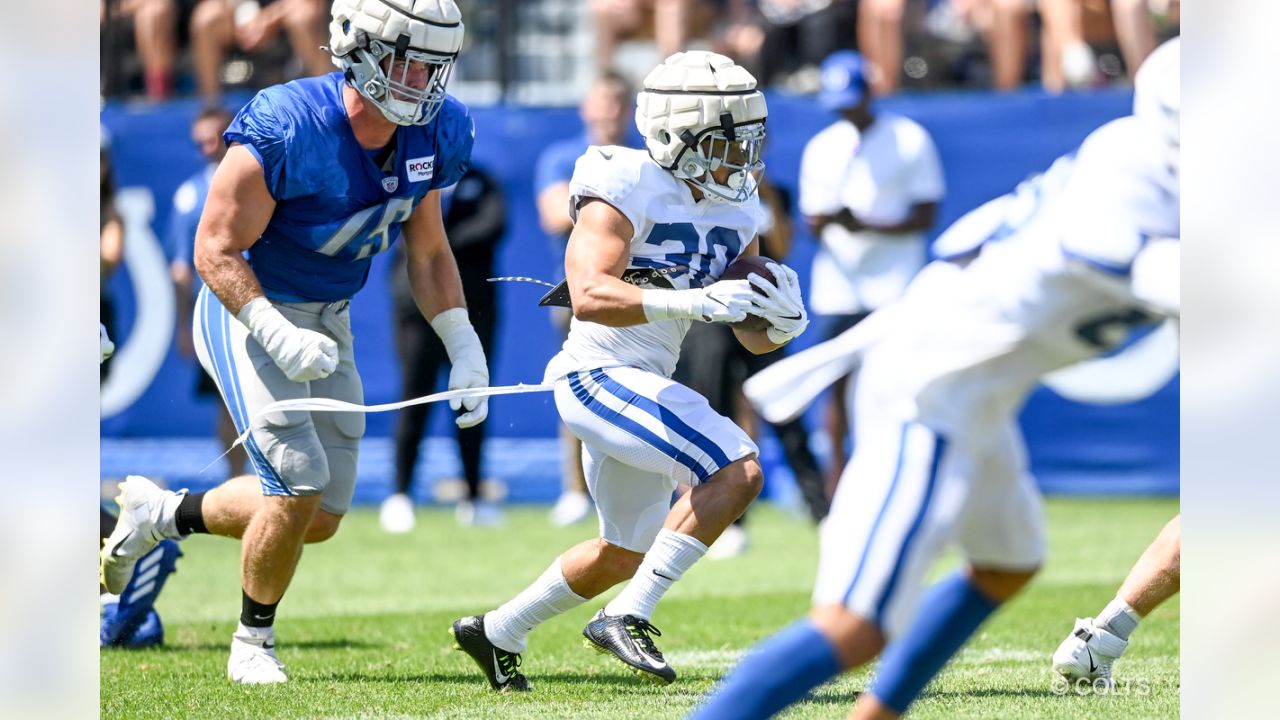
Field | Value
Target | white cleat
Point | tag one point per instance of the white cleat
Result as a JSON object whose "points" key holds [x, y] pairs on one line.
{"points": [[572, 507], [479, 514], [1088, 653], [731, 543], [137, 530], [253, 661], [397, 515]]}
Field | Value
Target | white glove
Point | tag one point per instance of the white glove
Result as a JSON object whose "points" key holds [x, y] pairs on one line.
{"points": [[470, 369], [303, 355], [781, 304], [105, 343], [723, 301]]}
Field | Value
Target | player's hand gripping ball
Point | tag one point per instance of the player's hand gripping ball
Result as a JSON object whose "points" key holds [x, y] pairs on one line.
{"points": [[739, 270]]}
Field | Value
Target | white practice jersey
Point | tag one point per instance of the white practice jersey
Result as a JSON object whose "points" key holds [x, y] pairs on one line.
{"points": [[686, 244], [971, 343]]}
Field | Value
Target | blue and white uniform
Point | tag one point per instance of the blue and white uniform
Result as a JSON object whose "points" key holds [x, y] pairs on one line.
{"points": [[938, 457], [336, 207], [642, 432]]}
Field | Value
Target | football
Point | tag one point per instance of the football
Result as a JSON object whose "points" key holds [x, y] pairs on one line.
{"points": [[739, 270]]}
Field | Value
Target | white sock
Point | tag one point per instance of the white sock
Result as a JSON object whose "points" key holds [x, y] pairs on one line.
{"points": [[256, 635], [548, 596], [666, 562], [167, 522], [1119, 618]]}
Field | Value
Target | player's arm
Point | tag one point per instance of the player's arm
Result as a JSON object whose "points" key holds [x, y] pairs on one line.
{"points": [[236, 213], [595, 259], [597, 255], [433, 271], [437, 290], [919, 219]]}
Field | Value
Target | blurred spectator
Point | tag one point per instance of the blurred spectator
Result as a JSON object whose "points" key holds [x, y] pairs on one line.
{"points": [[798, 34], [110, 242], [607, 114], [250, 25], [184, 218], [154, 29], [475, 221], [870, 184], [671, 24], [713, 363]]}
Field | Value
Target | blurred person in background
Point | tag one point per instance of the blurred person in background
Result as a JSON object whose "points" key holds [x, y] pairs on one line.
{"points": [[1004, 25], [606, 114], [799, 34], [155, 32], [475, 221], [184, 217], [714, 364], [320, 175], [219, 25], [110, 241], [671, 23], [870, 184]]}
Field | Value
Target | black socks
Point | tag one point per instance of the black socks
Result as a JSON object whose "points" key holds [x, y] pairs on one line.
{"points": [[256, 614], [189, 518]]}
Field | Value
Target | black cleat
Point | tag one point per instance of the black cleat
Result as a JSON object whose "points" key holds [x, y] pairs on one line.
{"points": [[627, 639], [502, 668]]}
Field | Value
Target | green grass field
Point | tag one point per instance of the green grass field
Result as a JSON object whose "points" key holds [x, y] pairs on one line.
{"points": [[364, 628]]}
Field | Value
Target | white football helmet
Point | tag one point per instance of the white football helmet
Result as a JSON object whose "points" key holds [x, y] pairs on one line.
{"points": [[1157, 93], [387, 48], [700, 112]]}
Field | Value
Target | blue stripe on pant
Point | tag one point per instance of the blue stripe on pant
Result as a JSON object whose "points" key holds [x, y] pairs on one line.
{"points": [[664, 415], [216, 326], [617, 419], [904, 548]]}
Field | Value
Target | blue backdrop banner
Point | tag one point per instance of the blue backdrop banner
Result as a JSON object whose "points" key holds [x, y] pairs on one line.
{"points": [[1110, 427]]}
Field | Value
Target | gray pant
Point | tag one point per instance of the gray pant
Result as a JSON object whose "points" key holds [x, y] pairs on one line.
{"points": [[294, 453]]}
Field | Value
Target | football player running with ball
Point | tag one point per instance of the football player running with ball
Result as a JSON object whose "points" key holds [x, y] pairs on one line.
{"points": [[321, 174], [653, 232], [938, 457]]}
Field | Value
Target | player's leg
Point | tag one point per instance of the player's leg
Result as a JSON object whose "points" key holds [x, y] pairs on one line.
{"points": [[889, 520], [1094, 645], [304, 21], [420, 354], [574, 504], [632, 505], [482, 298], [212, 32], [658, 425], [1002, 535], [292, 465]]}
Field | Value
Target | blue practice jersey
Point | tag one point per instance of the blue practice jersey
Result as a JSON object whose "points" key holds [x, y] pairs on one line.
{"points": [[336, 208]]}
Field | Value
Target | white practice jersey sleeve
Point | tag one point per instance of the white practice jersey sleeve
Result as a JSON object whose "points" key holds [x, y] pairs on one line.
{"points": [[973, 343], [677, 244]]}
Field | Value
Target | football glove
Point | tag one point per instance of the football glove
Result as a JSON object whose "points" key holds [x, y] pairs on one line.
{"points": [[470, 368], [723, 301], [303, 355], [779, 304]]}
